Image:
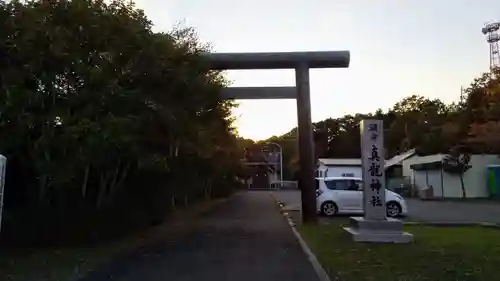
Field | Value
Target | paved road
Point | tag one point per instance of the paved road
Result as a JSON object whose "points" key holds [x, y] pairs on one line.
{"points": [[429, 211], [290, 198], [243, 239]]}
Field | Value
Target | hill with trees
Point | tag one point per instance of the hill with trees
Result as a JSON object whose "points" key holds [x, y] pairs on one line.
{"points": [[428, 125]]}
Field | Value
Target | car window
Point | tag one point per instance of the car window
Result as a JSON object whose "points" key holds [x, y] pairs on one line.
{"points": [[339, 184], [353, 185]]}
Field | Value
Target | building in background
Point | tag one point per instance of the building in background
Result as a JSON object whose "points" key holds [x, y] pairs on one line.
{"points": [[430, 177], [395, 178], [339, 167], [262, 166]]}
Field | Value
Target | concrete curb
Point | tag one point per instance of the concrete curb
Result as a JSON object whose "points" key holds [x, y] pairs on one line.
{"points": [[320, 271], [318, 268]]}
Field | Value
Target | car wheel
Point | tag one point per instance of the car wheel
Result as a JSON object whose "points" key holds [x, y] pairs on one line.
{"points": [[329, 209], [393, 209]]}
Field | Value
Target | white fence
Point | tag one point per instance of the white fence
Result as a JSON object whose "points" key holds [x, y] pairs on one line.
{"points": [[273, 184], [284, 185]]}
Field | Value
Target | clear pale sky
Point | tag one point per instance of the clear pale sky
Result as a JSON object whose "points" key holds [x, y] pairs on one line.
{"points": [[398, 48]]}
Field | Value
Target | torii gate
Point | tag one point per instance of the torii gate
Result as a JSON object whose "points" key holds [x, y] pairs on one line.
{"points": [[301, 62]]}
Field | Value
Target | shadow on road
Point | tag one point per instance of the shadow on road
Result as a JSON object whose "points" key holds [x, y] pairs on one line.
{"points": [[244, 238]]}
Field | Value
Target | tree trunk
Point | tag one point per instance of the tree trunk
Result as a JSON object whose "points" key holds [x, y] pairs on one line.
{"points": [[208, 190], [44, 181], [103, 186], [85, 181], [112, 185], [464, 195], [120, 181], [42, 189], [172, 202]]}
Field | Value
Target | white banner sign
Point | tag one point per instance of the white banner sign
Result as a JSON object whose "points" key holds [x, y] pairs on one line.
{"points": [[372, 159]]}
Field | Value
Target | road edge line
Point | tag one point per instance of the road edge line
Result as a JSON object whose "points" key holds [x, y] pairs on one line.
{"points": [[320, 271], [318, 268]]}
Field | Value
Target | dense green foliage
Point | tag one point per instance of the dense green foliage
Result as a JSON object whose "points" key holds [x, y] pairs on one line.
{"points": [[430, 126], [105, 122]]}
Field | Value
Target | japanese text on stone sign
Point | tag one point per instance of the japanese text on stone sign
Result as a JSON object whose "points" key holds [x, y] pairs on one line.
{"points": [[375, 168]]}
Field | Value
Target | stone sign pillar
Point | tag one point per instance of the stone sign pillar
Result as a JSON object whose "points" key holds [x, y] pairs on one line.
{"points": [[375, 226], [372, 161]]}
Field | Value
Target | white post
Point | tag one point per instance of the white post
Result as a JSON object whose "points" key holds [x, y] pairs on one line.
{"points": [[3, 166], [281, 166], [372, 160], [281, 161]]}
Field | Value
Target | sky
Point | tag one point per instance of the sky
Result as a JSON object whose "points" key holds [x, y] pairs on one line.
{"points": [[398, 48]]}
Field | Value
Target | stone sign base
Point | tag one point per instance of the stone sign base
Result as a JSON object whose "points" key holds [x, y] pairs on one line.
{"points": [[378, 231]]}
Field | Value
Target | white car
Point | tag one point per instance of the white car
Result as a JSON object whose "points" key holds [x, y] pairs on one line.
{"points": [[335, 195]]}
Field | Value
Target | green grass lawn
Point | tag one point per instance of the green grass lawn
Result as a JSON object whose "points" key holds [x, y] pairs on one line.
{"points": [[438, 253]]}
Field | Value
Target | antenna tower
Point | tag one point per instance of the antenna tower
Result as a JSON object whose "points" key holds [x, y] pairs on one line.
{"points": [[462, 96], [492, 34]]}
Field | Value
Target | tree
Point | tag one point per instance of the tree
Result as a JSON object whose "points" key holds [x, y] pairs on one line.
{"points": [[428, 125], [106, 119], [457, 163]]}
